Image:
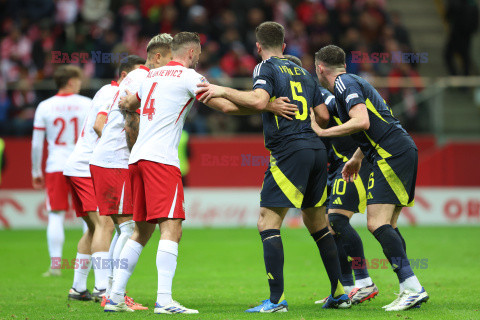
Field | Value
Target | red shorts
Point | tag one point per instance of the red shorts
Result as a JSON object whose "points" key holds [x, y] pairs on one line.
{"points": [[83, 195], [157, 191], [57, 191], [112, 190]]}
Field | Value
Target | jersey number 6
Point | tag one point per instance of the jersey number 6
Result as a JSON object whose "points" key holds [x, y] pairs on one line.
{"points": [[297, 86]]}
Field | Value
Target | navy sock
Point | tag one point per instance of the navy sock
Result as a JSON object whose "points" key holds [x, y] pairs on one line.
{"points": [[403, 240], [328, 252], [345, 265], [393, 250], [352, 243], [274, 258]]}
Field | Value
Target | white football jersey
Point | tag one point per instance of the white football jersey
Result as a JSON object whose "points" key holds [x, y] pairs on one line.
{"points": [[111, 150], [78, 162], [167, 95], [61, 116]]}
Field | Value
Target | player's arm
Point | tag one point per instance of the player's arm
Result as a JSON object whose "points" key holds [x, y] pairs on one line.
{"points": [[100, 123], [280, 107], [132, 122], [38, 138], [322, 116], [352, 167], [256, 99], [359, 121]]}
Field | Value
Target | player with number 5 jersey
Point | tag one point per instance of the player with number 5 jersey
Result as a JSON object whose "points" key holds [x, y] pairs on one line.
{"points": [[59, 120]]}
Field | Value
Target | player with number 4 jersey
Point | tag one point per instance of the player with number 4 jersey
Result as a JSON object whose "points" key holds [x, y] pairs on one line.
{"points": [[59, 120]]}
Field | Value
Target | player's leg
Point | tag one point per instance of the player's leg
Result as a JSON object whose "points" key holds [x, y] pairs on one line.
{"points": [[393, 222], [57, 205], [133, 247], [110, 274], [316, 222], [83, 264], [100, 252], [269, 224], [130, 253], [338, 219]]}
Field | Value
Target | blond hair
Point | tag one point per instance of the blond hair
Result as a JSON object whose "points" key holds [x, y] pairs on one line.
{"points": [[160, 43]]}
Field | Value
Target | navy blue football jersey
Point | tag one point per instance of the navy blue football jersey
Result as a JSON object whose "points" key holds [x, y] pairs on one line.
{"points": [[385, 137], [282, 78], [339, 149]]}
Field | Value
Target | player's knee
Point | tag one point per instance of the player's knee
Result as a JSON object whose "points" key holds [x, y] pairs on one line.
{"points": [[373, 225], [338, 222]]}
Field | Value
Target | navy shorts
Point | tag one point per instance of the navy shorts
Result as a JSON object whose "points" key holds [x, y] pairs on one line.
{"points": [[393, 179], [296, 180], [350, 196]]}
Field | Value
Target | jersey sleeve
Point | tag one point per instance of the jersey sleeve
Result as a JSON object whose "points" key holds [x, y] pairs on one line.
{"points": [[39, 122], [318, 97], [191, 82], [350, 94], [263, 77]]}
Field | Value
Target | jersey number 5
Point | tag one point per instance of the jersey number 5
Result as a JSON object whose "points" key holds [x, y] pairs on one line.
{"points": [[148, 108], [297, 87]]}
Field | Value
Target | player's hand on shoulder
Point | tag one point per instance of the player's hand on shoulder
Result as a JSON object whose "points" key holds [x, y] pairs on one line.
{"points": [[125, 102], [281, 107], [207, 91], [38, 183], [350, 169]]}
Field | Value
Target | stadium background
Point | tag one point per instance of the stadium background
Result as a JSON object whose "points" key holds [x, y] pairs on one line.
{"points": [[437, 100], [436, 95]]}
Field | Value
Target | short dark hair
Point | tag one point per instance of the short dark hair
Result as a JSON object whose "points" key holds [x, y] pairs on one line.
{"points": [[331, 55], [182, 38], [160, 43], [293, 59], [270, 35], [64, 73], [129, 63]]}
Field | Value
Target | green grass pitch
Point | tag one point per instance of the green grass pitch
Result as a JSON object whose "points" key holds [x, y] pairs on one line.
{"points": [[220, 272]]}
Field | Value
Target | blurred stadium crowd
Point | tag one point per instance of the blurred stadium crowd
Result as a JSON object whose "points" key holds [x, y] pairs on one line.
{"points": [[30, 30]]}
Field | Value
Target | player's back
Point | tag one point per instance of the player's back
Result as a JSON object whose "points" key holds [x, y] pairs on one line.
{"points": [[385, 134], [61, 116], [339, 149], [112, 150], [283, 78], [78, 162], [167, 96]]}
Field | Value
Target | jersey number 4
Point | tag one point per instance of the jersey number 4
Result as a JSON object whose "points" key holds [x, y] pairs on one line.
{"points": [[148, 108], [296, 91], [62, 123]]}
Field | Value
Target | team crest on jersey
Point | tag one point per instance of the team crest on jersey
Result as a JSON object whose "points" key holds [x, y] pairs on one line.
{"points": [[203, 80]]}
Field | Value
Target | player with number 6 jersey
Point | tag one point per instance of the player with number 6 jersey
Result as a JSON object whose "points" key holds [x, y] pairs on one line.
{"points": [[59, 120]]}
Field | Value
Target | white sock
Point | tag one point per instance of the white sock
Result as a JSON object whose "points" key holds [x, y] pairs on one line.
{"points": [[166, 264], [80, 274], [55, 234], [126, 231], [101, 267], [362, 283], [110, 254], [412, 284], [131, 251], [348, 289]]}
